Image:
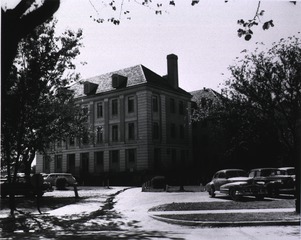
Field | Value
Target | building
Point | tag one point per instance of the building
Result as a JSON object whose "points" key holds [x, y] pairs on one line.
{"points": [[207, 147], [140, 123]]}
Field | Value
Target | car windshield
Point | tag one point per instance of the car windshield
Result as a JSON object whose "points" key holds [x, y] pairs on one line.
{"points": [[288, 172], [232, 174], [270, 172]]}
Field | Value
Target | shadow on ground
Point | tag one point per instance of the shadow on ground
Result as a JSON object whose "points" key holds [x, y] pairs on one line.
{"points": [[104, 223]]}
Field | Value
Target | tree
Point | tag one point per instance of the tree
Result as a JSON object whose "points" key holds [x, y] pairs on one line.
{"points": [[270, 83], [262, 103], [17, 23], [44, 109]]}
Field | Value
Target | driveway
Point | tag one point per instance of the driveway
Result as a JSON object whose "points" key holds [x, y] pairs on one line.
{"points": [[121, 213]]}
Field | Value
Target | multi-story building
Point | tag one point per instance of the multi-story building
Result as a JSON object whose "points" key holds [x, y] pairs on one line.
{"points": [[140, 123]]}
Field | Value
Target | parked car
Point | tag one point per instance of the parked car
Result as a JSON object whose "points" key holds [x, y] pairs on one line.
{"points": [[288, 171], [53, 177], [223, 177], [244, 188], [235, 183], [25, 188], [274, 179]]}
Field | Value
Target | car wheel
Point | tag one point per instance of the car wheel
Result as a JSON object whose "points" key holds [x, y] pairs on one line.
{"points": [[273, 191], [259, 197], [211, 192], [233, 195]]}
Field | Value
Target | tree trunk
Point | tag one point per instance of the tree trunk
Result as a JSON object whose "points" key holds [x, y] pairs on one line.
{"points": [[298, 160]]}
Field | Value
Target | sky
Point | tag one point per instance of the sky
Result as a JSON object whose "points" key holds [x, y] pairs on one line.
{"points": [[204, 36]]}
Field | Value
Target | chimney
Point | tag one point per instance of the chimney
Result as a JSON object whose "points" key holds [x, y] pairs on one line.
{"points": [[172, 70]]}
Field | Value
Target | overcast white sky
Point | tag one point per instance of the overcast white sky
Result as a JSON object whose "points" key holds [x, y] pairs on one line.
{"points": [[203, 36]]}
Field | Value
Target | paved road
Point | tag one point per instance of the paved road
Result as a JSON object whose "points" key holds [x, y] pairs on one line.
{"points": [[134, 204], [102, 214]]}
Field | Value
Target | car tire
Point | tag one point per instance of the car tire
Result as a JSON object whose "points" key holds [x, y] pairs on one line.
{"points": [[233, 195], [211, 192], [259, 197], [273, 191]]}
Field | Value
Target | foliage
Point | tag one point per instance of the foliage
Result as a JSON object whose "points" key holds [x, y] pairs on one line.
{"points": [[37, 105], [161, 6], [262, 100]]}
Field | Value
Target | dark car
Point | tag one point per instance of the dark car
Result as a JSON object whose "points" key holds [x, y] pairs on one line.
{"points": [[274, 179], [36, 187]]}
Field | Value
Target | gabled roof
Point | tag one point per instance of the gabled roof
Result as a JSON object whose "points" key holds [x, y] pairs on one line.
{"points": [[136, 75]]}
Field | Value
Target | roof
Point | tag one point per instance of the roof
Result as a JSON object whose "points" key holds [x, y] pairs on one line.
{"points": [[206, 93], [136, 75]]}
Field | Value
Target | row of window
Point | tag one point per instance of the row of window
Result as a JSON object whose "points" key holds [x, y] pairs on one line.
{"points": [[175, 132], [85, 161], [130, 107], [172, 105]]}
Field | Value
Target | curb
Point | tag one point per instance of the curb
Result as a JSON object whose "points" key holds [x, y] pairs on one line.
{"points": [[226, 224]]}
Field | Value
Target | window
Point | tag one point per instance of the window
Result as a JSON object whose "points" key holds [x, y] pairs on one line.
{"points": [[115, 133], [155, 104], [131, 131], [182, 134], [173, 130], [114, 107], [155, 130], [71, 163], [181, 107], [183, 157], [131, 159], [84, 164], [71, 141], [99, 134], [58, 163], [114, 160], [59, 144], [99, 110], [85, 110], [131, 106], [99, 162], [172, 105], [85, 137], [174, 156], [46, 164], [157, 159]]}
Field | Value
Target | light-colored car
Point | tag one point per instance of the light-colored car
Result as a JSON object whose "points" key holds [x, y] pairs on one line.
{"points": [[236, 190], [235, 183], [223, 177], [52, 178]]}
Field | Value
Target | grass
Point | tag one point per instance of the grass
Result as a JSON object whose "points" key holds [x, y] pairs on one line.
{"points": [[247, 203], [236, 217]]}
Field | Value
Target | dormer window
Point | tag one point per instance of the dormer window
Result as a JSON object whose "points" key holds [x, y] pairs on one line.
{"points": [[90, 88], [119, 81]]}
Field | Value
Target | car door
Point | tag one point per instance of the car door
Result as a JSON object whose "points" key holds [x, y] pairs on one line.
{"points": [[220, 180]]}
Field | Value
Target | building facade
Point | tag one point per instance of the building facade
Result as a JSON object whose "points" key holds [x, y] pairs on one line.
{"points": [[138, 124]]}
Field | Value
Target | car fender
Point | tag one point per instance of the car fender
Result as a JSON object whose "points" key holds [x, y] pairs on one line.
{"points": [[234, 184]]}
